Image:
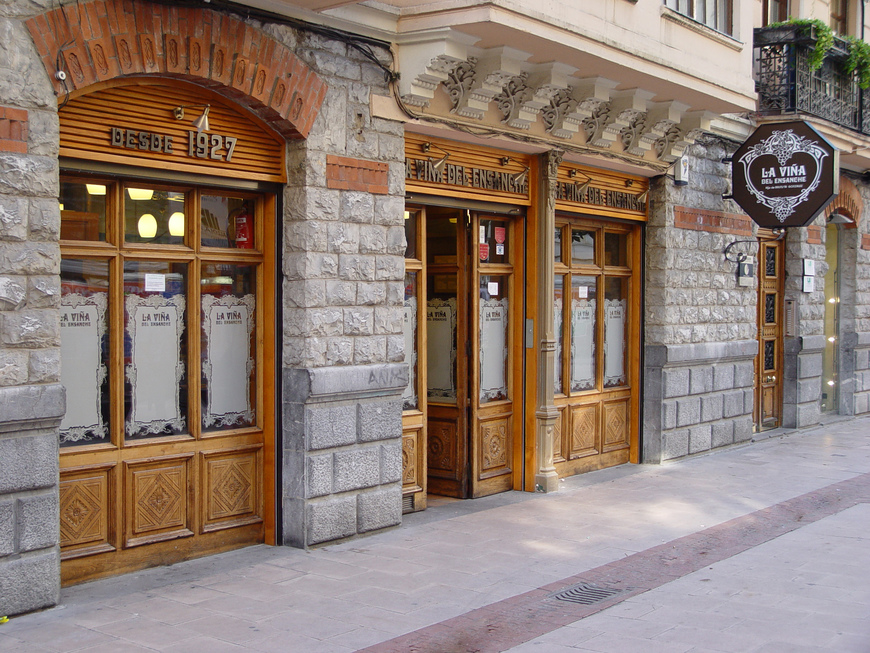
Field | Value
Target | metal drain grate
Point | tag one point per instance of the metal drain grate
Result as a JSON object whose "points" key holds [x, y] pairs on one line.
{"points": [[585, 594]]}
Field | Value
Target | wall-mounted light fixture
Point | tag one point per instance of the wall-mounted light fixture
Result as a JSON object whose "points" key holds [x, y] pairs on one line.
{"points": [[437, 164], [96, 189], [200, 123], [518, 178], [641, 197], [839, 218], [581, 187]]}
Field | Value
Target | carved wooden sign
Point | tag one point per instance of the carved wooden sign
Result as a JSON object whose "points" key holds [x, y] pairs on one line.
{"points": [[785, 174]]}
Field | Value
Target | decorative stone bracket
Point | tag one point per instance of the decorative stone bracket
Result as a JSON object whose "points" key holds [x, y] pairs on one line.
{"points": [[523, 93]]}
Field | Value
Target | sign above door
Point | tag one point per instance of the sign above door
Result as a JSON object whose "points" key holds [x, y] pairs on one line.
{"points": [[785, 174]]}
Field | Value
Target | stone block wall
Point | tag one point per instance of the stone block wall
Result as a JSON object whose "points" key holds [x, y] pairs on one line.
{"points": [[342, 451], [343, 290], [700, 326], [31, 399], [697, 397]]}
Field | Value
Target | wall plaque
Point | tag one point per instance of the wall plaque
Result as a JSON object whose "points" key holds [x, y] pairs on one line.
{"points": [[785, 174]]}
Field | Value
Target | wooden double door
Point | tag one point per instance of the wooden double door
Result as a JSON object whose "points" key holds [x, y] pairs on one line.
{"points": [[473, 351], [167, 340]]}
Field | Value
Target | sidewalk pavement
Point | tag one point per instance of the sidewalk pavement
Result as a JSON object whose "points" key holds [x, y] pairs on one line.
{"points": [[762, 548]]}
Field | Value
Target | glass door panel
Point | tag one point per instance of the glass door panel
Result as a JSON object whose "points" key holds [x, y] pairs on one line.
{"points": [[155, 348], [584, 318], [228, 302], [84, 350]]}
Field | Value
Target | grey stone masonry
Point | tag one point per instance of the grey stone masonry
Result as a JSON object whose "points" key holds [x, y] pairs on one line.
{"points": [[29, 531], [342, 451], [31, 399], [343, 292], [697, 397], [856, 357], [802, 381]]}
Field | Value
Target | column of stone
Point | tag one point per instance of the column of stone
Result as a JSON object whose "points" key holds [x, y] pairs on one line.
{"points": [[31, 398], [546, 478], [343, 295]]}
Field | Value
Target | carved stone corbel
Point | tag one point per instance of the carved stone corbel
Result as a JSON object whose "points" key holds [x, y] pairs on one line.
{"points": [[661, 118], [486, 80], [672, 145], [584, 101], [626, 111]]}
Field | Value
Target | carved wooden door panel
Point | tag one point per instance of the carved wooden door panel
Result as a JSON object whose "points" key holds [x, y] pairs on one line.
{"points": [[166, 343], [596, 309], [769, 362]]}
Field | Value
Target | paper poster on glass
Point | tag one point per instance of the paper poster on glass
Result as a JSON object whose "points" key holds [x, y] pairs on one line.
{"points": [[582, 344], [614, 342], [82, 329], [441, 348], [409, 331], [228, 322], [156, 369], [493, 349]]}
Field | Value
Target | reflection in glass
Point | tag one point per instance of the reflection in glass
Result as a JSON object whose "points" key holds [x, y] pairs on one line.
{"points": [[582, 247], [228, 346], [493, 337], [493, 241], [557, 247], [558, 307], [441, 239], [615, 249], [583, 319], [410, 400], [441, 349], [83, 210], [227, 221], [615, 323], [411, 220], [155, 348], [84, 350], [159, 219]]}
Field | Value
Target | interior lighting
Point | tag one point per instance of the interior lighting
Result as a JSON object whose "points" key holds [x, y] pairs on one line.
{"points": [[96, 189], [147, 226], [140, 194], [176, 224]]}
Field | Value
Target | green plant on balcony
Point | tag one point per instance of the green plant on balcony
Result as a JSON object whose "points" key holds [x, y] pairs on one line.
{"points": [[858, 60]]}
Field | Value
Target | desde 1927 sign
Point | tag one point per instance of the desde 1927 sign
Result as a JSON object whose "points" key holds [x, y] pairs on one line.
{"points": [[785, 174]]}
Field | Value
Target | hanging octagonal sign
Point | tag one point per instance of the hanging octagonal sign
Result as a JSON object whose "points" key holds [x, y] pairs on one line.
{"points": [[785, 174]]}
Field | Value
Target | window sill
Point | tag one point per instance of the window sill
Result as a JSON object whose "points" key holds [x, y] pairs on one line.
{"points": [[694, 25]]}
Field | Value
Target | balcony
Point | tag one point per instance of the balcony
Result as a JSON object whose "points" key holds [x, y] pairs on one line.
{"points": [[786, 84]]}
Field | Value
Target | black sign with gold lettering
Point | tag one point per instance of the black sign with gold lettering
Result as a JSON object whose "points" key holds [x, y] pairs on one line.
{"points": [[785, 174]]}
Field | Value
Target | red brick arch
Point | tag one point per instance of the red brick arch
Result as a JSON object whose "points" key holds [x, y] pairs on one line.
{"points": [[103, 40]]}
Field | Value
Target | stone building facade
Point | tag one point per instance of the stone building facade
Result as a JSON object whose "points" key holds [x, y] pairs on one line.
{"points": [[340, 243], [341, 451]]}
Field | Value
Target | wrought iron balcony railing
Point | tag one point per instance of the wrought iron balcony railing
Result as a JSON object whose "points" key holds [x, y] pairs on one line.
{"points": [[786, 84]]}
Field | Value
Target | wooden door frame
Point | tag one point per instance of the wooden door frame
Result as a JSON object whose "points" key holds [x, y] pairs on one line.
{"points": [[764, 237], [106, 460], [479, 486]]}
